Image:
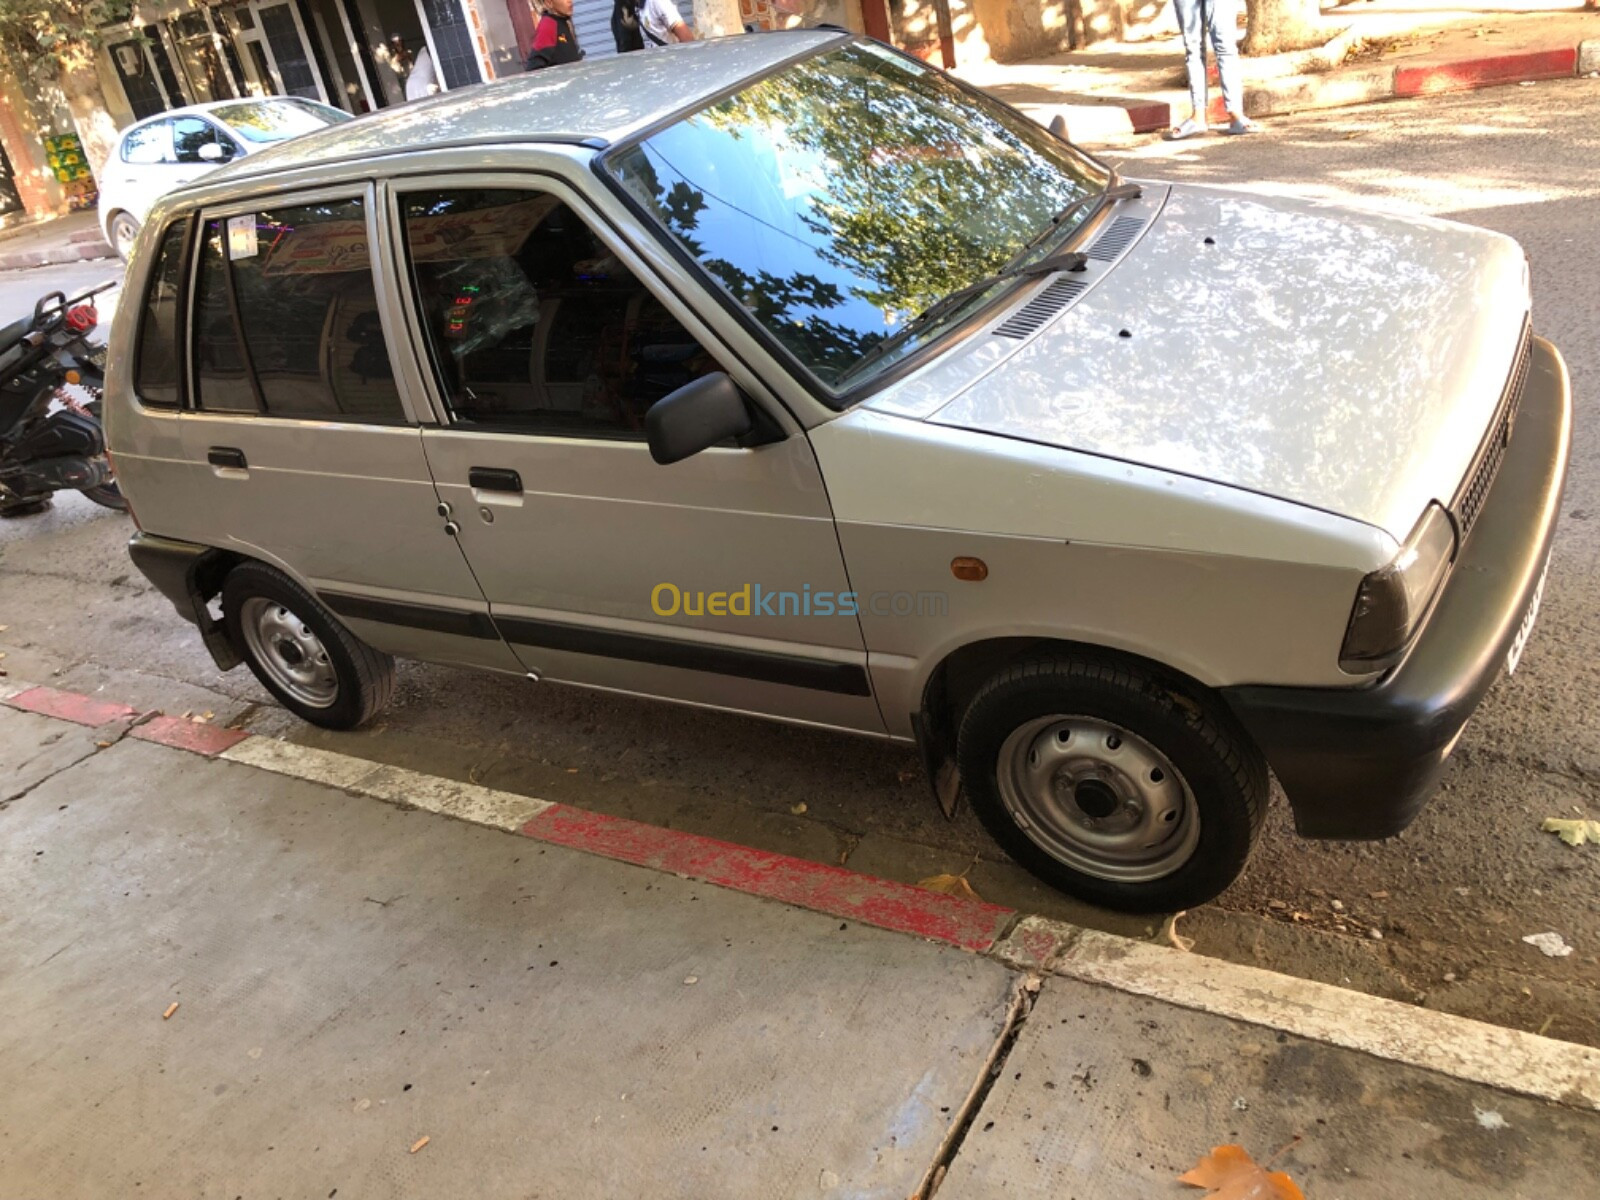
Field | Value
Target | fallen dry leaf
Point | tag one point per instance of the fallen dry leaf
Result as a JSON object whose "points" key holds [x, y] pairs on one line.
{"points": [[1573, 832], [950, 885], [420, 1143], [171, 1008], [1231, 1174]]}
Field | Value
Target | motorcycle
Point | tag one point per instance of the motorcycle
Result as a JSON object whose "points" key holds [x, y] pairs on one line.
{"points": [[51, 439]]}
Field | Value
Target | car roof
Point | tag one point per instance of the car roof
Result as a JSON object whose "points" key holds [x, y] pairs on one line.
{"points": [[590, 103], [211, 106]]}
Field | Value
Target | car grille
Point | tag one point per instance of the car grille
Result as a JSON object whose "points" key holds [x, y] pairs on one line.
{"points": [[1475, 490]]}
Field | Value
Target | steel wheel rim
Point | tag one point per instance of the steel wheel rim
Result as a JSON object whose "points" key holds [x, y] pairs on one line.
{"points": [[292, 656], [1098, 798], [124, 233]]}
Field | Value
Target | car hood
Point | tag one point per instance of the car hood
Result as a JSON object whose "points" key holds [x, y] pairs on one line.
{"points": [[1342, 359]]}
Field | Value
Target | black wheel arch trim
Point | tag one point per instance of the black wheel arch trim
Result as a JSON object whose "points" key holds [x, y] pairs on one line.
{"points": [[189, 575]]}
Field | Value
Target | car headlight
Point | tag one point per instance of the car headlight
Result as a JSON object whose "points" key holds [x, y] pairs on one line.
{"points": [[1391, 602]]}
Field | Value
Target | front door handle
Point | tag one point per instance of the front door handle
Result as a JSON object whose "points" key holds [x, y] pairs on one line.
{"points": [[494, 479], [226, 456]]}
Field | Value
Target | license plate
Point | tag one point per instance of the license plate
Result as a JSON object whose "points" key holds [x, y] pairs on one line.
{"points": [[1520, 642]]}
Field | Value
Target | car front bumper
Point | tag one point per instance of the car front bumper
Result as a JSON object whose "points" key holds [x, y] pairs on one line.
{"points": [[1361, 762]]}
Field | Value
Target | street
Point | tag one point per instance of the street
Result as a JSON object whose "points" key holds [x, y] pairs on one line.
{"points": [[1434, 917]]}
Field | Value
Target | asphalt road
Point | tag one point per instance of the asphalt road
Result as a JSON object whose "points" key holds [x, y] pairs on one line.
{"points": [[1435, 916]]}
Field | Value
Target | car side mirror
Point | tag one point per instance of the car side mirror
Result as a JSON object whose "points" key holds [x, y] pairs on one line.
{"points": [[215, 152], [1058, 127], [696, 417]]}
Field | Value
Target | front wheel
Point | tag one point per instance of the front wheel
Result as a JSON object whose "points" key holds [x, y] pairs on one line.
{"points": [[317, 668], [1111, 785], [124, 230]]}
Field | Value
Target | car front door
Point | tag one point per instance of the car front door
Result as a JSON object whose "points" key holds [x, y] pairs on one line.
{"points": [[717, 580], [299, 438]]}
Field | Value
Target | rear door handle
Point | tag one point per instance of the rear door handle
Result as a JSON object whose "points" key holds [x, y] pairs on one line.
{"points": [[494, 479], [226, 456]]}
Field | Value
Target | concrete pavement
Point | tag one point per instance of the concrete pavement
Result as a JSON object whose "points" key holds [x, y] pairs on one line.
{"points": [[72, 238], [1377, 50], [224, 979]]}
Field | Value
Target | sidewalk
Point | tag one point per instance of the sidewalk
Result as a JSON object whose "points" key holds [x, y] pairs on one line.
{"points": [[233, 966], [1387, 49], [71, 238]]}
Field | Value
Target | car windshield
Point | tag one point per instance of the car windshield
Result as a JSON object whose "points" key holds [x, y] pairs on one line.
{"points": [[844, 195], [276, 120]]}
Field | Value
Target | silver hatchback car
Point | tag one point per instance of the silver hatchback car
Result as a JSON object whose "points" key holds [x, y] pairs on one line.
{"points": [[787, 375]]}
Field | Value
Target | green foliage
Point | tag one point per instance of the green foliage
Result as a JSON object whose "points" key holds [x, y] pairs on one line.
{"points": [[40, 39]]}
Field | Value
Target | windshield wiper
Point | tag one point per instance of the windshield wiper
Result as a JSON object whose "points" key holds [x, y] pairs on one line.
{"points": [[1072, 260], [1115, 189]]}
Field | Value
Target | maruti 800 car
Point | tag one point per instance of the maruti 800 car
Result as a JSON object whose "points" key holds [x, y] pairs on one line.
{"points": [[787, 375]]}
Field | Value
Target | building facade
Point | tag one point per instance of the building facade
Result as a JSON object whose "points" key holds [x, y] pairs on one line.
{"points": [[354, 54]]}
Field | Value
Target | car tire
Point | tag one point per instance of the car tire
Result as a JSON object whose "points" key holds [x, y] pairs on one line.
{"points": [[1112, 783], [124, 228], [317, 668]]}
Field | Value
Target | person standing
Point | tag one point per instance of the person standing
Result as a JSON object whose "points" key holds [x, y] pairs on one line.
{"points": [[661, 23], [555, 41], [625, 26], [1218, 21], [421, 81]]}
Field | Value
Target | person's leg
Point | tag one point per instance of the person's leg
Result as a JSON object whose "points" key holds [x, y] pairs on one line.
{"points": [[1191, 24], [1222, 27]]}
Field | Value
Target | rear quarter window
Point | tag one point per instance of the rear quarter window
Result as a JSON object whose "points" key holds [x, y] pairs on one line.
{"points": [[149, 144], [156, 367]]}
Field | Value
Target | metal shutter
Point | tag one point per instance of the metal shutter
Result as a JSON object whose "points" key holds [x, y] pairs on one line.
{"points": [[592, 19]]}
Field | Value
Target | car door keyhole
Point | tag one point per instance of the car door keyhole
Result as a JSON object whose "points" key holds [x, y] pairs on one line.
{"points": [[487, 514]]}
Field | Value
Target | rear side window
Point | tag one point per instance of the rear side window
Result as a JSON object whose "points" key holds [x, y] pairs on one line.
{"points": [[156, 375], [286, 317], [149, 144]]}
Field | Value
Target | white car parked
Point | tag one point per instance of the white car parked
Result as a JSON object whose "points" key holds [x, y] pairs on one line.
{"points": [[161, 153]]}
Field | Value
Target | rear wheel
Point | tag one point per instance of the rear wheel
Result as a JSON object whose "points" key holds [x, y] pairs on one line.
{"points": [[124, 229], [317, 668], [1111, 785], [108, 495]]}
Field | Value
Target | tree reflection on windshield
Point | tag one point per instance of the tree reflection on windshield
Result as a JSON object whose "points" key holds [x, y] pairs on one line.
{"points": [[842, 196]]}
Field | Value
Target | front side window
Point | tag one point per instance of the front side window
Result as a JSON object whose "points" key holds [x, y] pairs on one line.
{"points": [[156, 372], [532, 323], [148, 144], [286, 317], [840, 197], [189, 134]]}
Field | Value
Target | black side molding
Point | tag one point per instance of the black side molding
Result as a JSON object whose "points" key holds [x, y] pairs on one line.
{"points": [[414, 616], [765, 666]]}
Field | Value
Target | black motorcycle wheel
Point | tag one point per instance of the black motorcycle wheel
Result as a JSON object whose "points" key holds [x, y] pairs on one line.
{"points": [[108, 495]]}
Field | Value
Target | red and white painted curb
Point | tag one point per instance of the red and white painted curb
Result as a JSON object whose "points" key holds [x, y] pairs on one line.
{"points": [[1506, 1059], [1342, 88]]}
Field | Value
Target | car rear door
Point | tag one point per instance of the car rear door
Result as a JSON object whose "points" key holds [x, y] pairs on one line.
{"points": [[298, 440], [717, 580]]}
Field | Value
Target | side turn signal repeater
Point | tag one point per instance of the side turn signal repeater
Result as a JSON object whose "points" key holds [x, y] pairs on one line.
{"points": [[972, 570]]}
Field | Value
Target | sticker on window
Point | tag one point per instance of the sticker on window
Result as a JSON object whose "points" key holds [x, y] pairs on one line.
{"points": [[242, 237]]}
